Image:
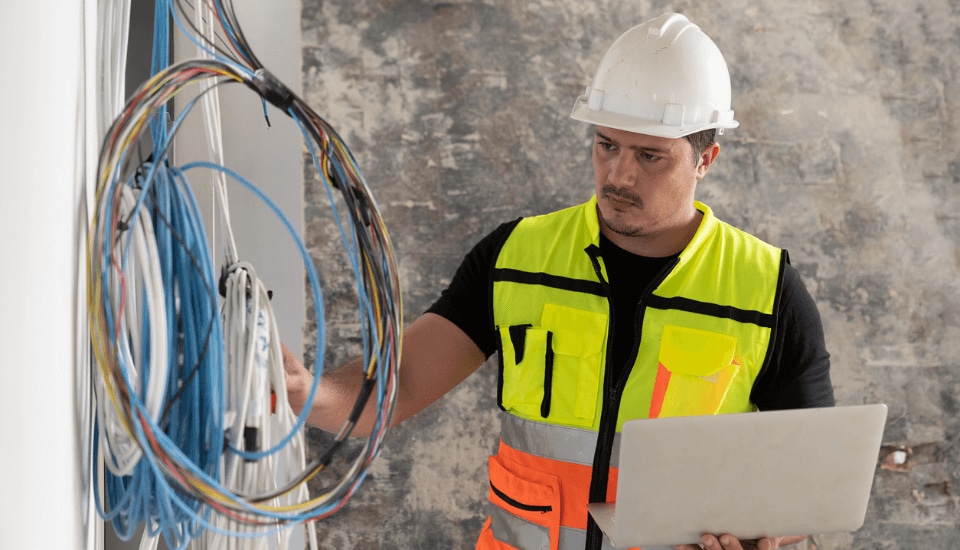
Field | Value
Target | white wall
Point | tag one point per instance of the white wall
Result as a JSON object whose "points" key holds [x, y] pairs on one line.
{"points": [[42, 147], [41, 152]]}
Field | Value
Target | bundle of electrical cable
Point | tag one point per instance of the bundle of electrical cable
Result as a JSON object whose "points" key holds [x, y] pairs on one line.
{"points": [[186, 362]]}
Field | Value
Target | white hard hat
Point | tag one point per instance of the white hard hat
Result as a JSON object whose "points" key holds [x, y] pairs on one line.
{"points": [[664, 78]]}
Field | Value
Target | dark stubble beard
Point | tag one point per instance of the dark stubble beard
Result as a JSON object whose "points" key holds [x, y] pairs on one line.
{"points": [[613, 225]]}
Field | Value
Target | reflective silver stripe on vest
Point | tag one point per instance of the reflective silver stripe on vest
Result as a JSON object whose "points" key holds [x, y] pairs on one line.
{"points": [[517, 532], [577, 538], [524, 535], [574, 445]]}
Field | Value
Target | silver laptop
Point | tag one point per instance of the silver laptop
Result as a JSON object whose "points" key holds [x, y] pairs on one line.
{"points": [[751, 475]]}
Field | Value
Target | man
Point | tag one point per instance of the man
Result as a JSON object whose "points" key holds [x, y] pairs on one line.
{"points": [[638, 303]]}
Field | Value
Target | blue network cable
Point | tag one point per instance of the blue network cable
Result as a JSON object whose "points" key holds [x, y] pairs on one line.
{"points": [[154, 295]]}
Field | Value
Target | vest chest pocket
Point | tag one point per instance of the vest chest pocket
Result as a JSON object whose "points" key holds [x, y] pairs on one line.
{"points": [[553, 371], [695, 371]]}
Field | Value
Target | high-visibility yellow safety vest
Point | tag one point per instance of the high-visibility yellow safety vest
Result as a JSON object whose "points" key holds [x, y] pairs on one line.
{"points": [[704, 332]]}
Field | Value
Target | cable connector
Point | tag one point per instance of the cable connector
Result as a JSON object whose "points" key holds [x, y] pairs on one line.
{"points": [[271, 89]]}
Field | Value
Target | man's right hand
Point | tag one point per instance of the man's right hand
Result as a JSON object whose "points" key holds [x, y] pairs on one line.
{"points": [[436, 356], [298, 379]]}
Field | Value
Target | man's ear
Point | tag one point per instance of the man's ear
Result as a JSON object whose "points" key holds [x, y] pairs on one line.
{"points": [[706, 159]]}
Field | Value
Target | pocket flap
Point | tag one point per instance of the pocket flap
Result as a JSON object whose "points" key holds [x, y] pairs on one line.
{"points": [[578, 332], [527, 493], [696, 352]]}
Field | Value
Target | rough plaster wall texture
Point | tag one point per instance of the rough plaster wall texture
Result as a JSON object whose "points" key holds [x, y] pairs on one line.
{"points": [[847, 156]]}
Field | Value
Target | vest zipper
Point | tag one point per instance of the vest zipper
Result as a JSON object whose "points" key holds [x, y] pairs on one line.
{"points": [[543, 509], [609, 411]]}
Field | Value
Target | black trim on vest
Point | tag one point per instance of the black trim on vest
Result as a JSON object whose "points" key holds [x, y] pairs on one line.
{"points": [[518, 337], [547, 377], [500, 375], [784, 260], [548, 280], [601, 454], [766, 320], [493, 322]]}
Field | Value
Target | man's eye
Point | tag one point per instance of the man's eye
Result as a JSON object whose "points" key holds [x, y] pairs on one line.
{"points": [[648, 157]]}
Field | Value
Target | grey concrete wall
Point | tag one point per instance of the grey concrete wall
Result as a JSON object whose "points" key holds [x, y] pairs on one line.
{"points": [[847, 156]]}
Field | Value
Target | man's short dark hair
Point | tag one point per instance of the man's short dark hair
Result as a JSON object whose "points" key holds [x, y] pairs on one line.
{"points": [[701, 140]]}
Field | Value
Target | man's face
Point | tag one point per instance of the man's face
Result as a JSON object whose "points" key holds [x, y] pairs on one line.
{"points": [[645, 184]]}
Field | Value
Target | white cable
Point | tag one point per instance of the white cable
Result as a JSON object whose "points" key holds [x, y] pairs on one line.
{"points": [[296, 458], [143, 277], [113, 33], [210, 106], [148, 542], [151, 283], [254, 366], [252, 343]]}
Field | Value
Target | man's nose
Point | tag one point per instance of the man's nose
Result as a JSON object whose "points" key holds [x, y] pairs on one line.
{"points": [[624, 170]]}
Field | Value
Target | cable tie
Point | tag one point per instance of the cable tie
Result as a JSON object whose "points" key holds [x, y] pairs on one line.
{"points": [[222, 284], [251, 441], [270, 88], [364, 205], [225, 271]]}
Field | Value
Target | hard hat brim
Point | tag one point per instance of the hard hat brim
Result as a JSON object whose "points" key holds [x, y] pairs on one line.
{"points": [[645, 126]]}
